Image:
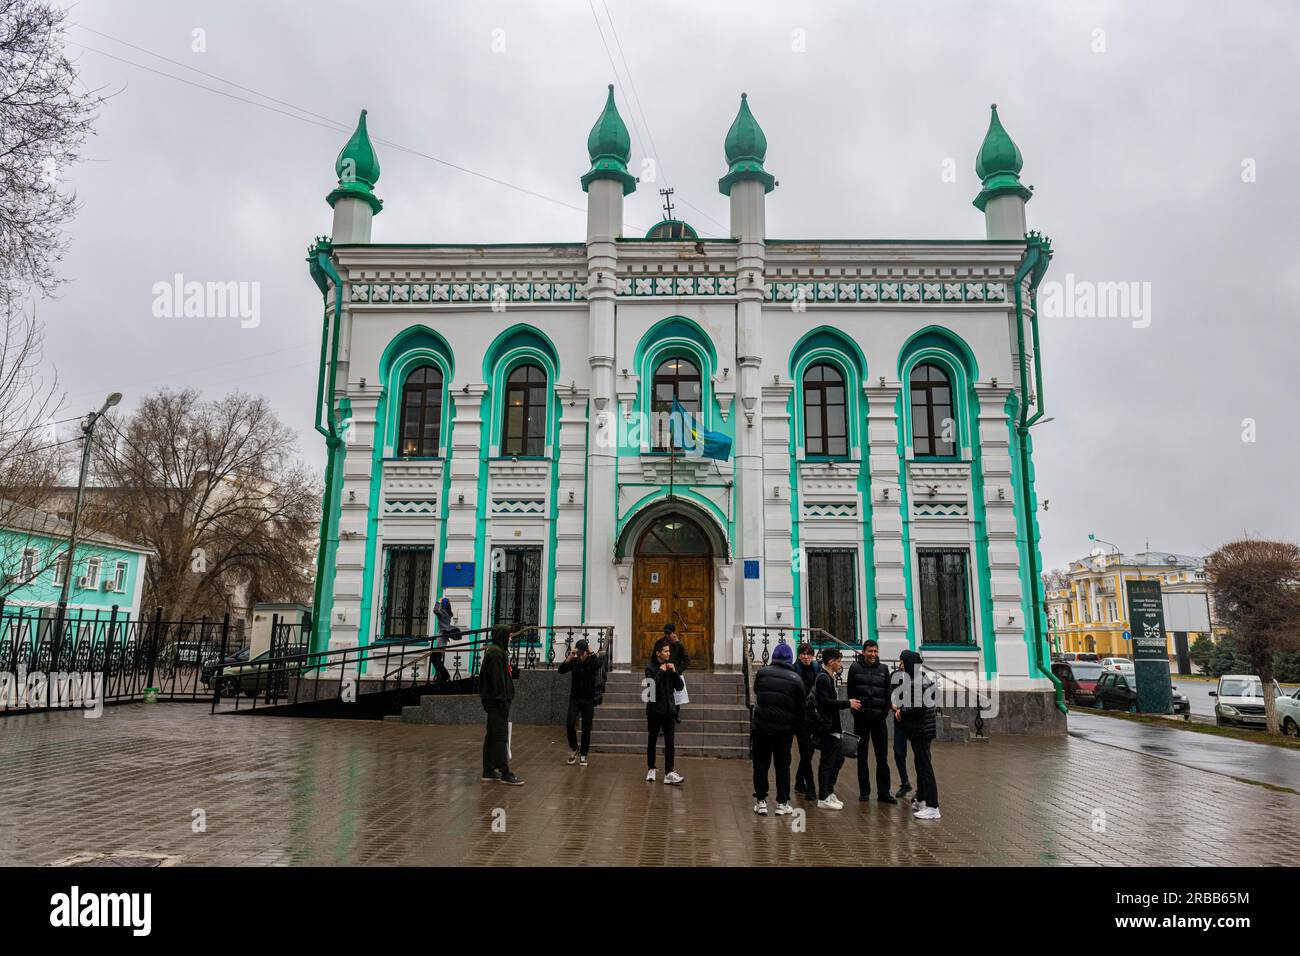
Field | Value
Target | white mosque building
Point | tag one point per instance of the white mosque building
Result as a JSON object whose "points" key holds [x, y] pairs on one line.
{"points": [[495, 420]]}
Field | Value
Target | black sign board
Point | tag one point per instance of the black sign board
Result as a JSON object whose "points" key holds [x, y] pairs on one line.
{"points": [[1146, 615]]}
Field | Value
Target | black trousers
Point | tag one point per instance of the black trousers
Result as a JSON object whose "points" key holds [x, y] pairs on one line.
{"points": [[496, 737], [804, 781], [769, 749], [585, 709], [450, 636], [927, 788], [667, 724], [864, 727], [828, 767], [900, 754]]}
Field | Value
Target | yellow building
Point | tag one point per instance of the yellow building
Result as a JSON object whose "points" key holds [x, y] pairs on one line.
{"points": [[1087, 605]]}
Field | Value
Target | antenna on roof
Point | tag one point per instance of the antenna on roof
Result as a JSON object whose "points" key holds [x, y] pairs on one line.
{"points": [[668, 202]]}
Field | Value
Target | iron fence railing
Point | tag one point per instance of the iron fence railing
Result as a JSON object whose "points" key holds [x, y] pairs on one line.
{"points": [[53, 658]]}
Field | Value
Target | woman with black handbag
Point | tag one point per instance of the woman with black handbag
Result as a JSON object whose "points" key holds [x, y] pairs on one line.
{"points": [[829, 706]]}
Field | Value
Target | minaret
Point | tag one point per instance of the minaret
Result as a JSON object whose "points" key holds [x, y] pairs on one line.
{"points": [[1003, 198], [747, 184], [609, 147], [353, 200]]}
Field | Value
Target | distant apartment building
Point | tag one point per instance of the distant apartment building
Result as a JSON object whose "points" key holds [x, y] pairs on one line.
{"points": [[1087, 603]]}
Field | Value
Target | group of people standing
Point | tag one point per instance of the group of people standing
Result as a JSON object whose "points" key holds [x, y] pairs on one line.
{"points": [[799, 701], [796, 701]]}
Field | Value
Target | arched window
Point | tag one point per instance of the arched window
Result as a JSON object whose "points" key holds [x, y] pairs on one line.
{"points": [[677, 379], [421, 413], [524, 429], [934, 429], [824, 423]]}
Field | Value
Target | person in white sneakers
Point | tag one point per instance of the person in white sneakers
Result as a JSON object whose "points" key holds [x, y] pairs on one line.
{"points": [[914, 700], [829, 705], [661, 680], [777, 717]]}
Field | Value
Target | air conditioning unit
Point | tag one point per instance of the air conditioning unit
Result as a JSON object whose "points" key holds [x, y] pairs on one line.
{"points": [[111, 586], [85, 581]]}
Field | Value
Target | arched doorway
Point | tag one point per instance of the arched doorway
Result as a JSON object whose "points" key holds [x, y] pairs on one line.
{"points": [[674, 582]]}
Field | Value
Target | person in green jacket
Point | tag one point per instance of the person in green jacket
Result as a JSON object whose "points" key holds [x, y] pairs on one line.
{"points": [[496, 689]]}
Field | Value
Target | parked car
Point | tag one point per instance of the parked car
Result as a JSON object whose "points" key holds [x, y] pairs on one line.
{"points": [[1117, 664], [1288, 713], [1239, 700], [1068, 656], [247, 678], [211, 664], [1078, 680], [1117, 690]]}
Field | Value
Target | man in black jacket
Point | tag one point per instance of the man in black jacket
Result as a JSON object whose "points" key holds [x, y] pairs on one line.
{"points": [[778, 714], [496, 689], [914, 707], [805, 782], [829, 706], [585, 668], [661, 680], [869, 686]]}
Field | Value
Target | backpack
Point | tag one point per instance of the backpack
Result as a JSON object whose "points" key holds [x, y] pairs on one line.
{"points": [[813, 720]]}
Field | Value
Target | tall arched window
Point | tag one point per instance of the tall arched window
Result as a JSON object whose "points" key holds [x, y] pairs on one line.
{"points": [[677, 379], [421, 413], [934, 429], [524, 429], [825, 425]]}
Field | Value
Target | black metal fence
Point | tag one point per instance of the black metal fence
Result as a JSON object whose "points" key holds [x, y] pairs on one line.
{"points": [[52, 658]]}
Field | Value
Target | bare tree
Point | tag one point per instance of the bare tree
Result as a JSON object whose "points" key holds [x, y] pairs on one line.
{"points": [[214, 488], [45, 116], [1256, 587], [32, 455]]}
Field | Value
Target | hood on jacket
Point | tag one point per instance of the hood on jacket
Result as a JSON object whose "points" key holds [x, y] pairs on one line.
{"points": [[501, 637], [909, 659]]}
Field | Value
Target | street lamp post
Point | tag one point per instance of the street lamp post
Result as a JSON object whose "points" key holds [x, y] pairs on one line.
{"points": [[87, 433]]}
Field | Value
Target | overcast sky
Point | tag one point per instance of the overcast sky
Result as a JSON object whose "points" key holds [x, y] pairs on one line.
{"points": [[1136, 121]]}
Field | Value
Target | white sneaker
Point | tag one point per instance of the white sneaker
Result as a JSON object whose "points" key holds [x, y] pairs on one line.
{"points": [[929, 813], [839, 804], [918, 805], [761, 807], [673, 777], [830, 803], [573, 758], [650, 776], [783, 808]]}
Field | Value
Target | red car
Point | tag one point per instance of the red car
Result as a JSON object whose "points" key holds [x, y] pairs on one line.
{"points": [[1079, 679]]}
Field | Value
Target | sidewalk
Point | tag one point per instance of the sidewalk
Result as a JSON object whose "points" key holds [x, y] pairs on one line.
{"points": [[296, 791]]}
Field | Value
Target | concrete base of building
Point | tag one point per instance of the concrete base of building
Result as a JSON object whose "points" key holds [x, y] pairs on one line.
{"points": [[1019, 712]]}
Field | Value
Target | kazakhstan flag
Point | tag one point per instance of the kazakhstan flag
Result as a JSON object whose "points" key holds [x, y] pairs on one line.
{"points": [[695, 440]]}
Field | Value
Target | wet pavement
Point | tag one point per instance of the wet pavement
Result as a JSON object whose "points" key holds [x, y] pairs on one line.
{"points": [[1244, 759], [170, 779]]}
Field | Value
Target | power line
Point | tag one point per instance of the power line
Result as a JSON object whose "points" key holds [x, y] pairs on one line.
{"points": [[321, 120]]}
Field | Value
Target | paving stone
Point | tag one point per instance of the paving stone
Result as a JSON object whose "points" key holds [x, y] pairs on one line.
{"points": [[286, 791]]}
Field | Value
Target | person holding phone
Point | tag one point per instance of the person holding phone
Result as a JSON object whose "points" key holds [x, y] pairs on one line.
{"points": [[584, 666], [661, 681]]}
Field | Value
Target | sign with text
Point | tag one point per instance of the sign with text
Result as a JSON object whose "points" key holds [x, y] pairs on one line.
{"points": [[1150, 651]]}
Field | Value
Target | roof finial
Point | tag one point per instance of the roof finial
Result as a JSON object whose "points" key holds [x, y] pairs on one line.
{"points": [[745, 148], [998, 163], [609, 147], [357, 168]]}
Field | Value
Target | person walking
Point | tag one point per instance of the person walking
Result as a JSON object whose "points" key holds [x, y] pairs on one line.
{"points": [[662, 680], [829, 706], [900, 745], [447, 632], [869, 685], [778, 713], [805, 783], [914, 709], [585, 668], [496, 690]]}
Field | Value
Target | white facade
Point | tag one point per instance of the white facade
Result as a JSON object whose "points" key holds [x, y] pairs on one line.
{"points": [[600, 318]]}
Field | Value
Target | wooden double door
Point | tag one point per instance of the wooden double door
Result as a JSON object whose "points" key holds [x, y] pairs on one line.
{"points": [[673, 583]]}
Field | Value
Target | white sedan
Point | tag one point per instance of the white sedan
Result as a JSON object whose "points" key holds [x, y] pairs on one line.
{"points": [[1288, 713], [1121, 664]]}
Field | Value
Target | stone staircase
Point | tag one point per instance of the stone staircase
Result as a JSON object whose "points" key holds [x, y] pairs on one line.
{"points": [[714, 724]]}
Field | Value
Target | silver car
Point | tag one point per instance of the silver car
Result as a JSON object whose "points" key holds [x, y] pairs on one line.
{"points": [[1239, 700]]}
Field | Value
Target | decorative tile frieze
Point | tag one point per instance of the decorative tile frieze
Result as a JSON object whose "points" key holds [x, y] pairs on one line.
{"points": [[518, 506], [482, 292], [830, 509], [939, 509], [824, 290], [402, 506]]}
